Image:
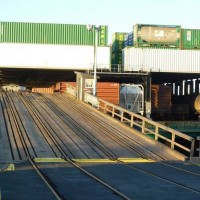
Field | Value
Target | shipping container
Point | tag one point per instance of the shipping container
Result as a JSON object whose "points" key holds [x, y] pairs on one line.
{"points": [[116, 57], [157, 35], [161, 99], [161, 60], [47, 33], [108, 91], [190, 38], [129, 40], [118, 40], [43, 90], [126, 40], [42, 56]]}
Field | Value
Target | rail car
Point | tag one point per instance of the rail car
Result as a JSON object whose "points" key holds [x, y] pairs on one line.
{"points": [[166, 106]]}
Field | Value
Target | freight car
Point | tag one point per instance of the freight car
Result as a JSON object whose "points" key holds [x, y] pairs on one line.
{"points": [[185, 107], [197, 104], [161, 104], [165, 106]]}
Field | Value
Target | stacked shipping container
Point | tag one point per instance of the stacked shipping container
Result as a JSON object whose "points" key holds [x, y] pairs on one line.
{"points": [[48, 56], [190, 39], [118, 43], [52, 46], [157, 36], [129, 40], [161, 60], [45, 33]]}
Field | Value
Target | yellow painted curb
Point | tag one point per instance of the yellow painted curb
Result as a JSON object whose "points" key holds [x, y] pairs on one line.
{"points": [[60, 160], [8, 167], [49, 160], [134, 160], [93, 160]]}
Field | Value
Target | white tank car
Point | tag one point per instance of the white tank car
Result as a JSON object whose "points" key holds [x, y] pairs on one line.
{"points": [[14, 88]]}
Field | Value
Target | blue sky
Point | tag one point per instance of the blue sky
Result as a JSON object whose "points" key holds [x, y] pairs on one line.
{"points": [[119, 15]]}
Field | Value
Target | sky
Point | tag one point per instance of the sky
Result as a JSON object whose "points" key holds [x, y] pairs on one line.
{"points": [[118, 15]]}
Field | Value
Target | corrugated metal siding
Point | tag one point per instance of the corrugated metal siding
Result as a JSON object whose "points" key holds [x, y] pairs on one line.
{"points": [[129, 40], [43, 90], [44, 33], [53, 56], [161, 60], [116, 58], [108, 91], [118, 41], [190, 39]]}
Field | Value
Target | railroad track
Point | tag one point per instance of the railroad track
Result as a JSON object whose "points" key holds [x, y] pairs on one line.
{"points": [[87, 115], [136, 148], [58, 104], [29, 153]]}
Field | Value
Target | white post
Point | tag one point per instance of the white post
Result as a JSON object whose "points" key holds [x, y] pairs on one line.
{"points": [[96, 29]]}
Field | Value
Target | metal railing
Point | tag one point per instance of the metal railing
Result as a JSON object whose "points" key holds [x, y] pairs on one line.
{"points": [[168, 136], [71, 90]]}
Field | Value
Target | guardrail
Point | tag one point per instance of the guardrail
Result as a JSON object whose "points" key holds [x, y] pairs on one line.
{"points": [[198, 149], [170, 137], [71, 90], [89, 98]]}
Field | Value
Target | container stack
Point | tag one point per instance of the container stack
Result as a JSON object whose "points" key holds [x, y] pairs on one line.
{"points": [[52, 46], [163, 48], [118, 43]]}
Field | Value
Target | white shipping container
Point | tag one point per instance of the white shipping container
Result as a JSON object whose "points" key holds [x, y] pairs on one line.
{"points": [[72, 57], [161, 60]]}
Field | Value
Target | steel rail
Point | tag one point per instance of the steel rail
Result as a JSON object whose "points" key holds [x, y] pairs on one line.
{"points": [[110, 134], [161, 178], [76, 126], [65, 156], [29, 156]]}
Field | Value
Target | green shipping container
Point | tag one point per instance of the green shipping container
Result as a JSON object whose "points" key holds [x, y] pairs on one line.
{"points": [[44, 33], [190, 38], [116, 57], [157, 35], [118, 41]]}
